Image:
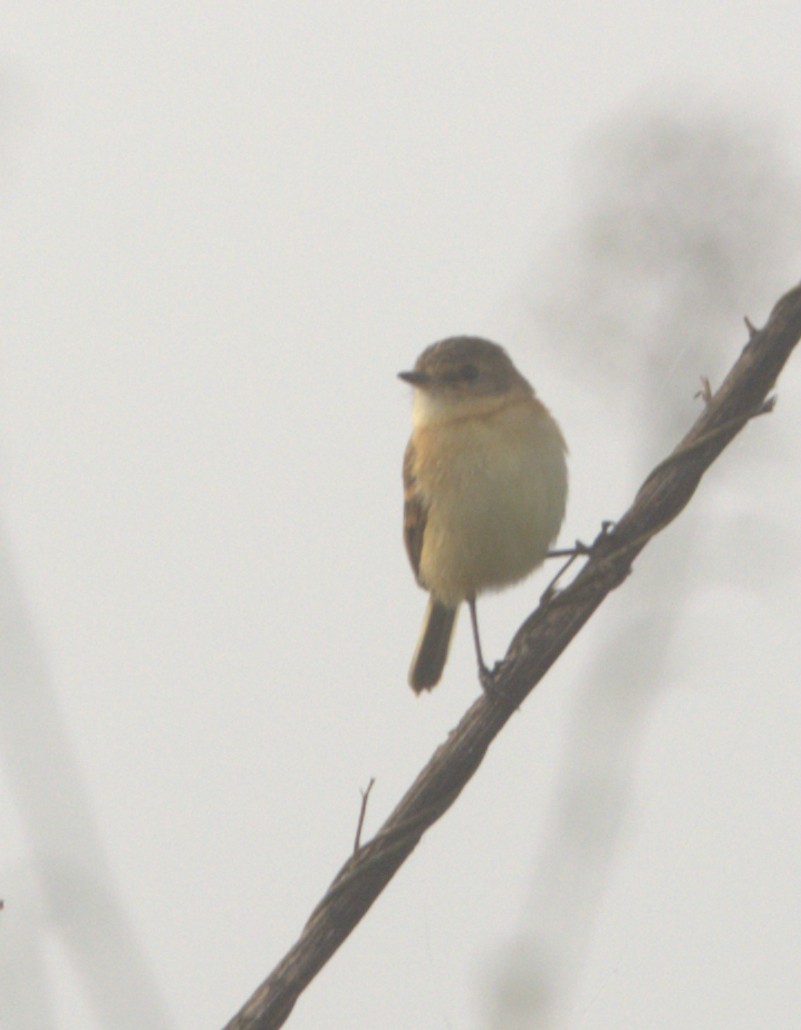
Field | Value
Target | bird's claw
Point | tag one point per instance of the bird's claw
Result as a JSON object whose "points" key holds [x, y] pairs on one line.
{"points": [[486, 677]]}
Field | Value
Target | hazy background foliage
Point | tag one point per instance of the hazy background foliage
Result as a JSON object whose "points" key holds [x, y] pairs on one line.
{"points": [[226, 229]]}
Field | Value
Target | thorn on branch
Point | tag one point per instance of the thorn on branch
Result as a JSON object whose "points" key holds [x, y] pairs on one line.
{"points": [[705, 393], [365, 795], [768, 405], [752, 329]]}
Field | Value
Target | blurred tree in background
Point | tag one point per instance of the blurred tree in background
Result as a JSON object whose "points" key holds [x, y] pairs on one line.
{"points": [[685, 223]]}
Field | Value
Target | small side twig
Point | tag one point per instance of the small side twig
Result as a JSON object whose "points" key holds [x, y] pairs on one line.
{"points": [[365, 795]]}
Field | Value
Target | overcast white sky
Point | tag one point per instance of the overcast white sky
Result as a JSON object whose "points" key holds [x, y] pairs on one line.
{"points": [[226, 228]]}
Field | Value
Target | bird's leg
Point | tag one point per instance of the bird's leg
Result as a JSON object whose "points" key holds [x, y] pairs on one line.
{"points": [[484, 675], [580, 550], [550, 590]]}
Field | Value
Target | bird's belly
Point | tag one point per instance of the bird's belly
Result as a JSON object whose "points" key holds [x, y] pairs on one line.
{"points": [[495, 508]]}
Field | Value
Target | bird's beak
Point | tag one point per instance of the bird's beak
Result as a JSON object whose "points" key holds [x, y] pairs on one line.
{"points": [[415, 378]]}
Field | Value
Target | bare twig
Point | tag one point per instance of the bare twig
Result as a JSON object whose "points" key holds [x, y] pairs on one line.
{"points": [[365, 795], [535, 647]]}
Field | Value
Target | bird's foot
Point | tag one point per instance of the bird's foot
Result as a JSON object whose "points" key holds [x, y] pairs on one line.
{"points": [[488, 680]]}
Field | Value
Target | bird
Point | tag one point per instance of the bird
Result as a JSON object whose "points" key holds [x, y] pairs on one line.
{"points": [[484, 485]]}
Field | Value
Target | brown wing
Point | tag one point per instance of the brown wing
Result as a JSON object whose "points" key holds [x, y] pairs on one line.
{"points": [[414, 511]]}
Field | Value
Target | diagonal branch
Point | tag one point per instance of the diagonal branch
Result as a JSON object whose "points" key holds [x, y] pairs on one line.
{"points": [[535, 647]]}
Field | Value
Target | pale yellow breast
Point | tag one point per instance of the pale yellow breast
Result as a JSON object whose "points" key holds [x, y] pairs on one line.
{"points": [[496, 487]]}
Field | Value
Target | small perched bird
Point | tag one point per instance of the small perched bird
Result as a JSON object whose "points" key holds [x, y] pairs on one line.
{"points": [[485, 487]]}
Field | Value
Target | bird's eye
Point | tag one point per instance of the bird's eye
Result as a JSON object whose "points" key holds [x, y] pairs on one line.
{"points": [[468, 372]]}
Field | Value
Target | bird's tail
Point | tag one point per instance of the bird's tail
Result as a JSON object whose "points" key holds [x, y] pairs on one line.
{"points": [[432, 647]]}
